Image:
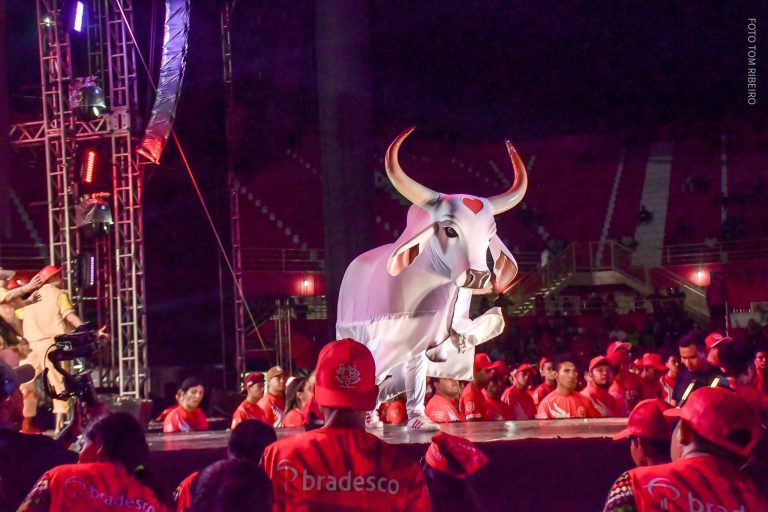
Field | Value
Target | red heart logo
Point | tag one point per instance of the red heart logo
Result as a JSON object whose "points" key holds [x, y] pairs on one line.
{"points": [[473, 204]]}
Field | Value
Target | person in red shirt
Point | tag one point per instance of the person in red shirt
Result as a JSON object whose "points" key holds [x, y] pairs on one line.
{"points": [[109, 476], [273, 402], [565, 401], [296, 395], [395, 411], [188, 416], [247, 442], [761, 368], [667, 380], [472, 404], [516, 396], [450, 466], [650, 378], [313, 416], [443, 407], [253, 386], [599, 379], [341, 466], [714, 438], [649, 432], [626, 385], [548, 384], [497, 410]]}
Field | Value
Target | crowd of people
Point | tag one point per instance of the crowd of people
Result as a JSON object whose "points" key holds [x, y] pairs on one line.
{"points": [[697, 417]]}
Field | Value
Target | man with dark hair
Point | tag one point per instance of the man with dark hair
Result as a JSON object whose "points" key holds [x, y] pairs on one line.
{"points": [[761, 368], [248, 441], [714, 438], [341, 466], [649, 432], [599, 380], [548, 383], [188, 416], [233, 485], [443, 407], [696, 371], [516, 396], [565, 401]]}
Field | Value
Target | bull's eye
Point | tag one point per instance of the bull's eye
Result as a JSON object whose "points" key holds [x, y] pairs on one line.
{"points": [[450, 232]]}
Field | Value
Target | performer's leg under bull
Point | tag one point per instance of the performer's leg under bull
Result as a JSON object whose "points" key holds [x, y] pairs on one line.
{"points": [[38, 360], [411, 378]]}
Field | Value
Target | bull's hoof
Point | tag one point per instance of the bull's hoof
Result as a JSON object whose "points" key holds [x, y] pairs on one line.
{"points": [[423, 423]]}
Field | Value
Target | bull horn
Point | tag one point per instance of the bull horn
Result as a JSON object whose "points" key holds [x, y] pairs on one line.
{"points": [[413, 191], [514, 195]]}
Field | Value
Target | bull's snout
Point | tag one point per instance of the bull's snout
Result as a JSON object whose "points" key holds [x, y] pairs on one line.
{"points": [[476, 279]]}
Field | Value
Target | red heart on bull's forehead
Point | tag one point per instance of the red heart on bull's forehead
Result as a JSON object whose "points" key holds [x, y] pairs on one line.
{"points": [[473, 204]]}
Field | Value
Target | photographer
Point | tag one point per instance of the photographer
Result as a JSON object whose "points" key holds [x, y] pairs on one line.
{"points": [[109, 475], [52, 315]]}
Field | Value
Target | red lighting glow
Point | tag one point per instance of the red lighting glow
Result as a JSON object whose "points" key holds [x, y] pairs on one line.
{"points": [[90, 166]]}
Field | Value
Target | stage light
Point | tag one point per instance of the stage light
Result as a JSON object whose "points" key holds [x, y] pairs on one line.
{"points": [[86, 99], [699, 274], [93, 215], [90, 159], [77, 24], [47, 20], [305, 283]]}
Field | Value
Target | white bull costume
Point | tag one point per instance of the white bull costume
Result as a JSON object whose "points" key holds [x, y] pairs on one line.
{"points": [[405, 300]]}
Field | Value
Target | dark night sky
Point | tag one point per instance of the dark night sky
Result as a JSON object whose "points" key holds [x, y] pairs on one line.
{"points": [[484, 70]]}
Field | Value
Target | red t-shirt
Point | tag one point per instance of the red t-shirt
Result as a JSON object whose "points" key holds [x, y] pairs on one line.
{"points": [[472, 404], [496, 409], [343, 469], [667, 387], [92, 487], [181, 420], [248, 411], [651, 388], [273, 406], [293, 418], [540, 392], [442, 410], [558, 406], [520, 402], [183, 494], [604, 402], [627, 390], [699, 483]]}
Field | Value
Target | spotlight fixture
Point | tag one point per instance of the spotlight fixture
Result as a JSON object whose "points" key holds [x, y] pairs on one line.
{"points": [[93, 215], [90, 161], [78, 17], [86, 99]]}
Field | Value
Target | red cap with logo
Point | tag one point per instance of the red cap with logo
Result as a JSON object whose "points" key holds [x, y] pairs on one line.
{"points": [[483, 362], [722, 417], [526, 367], [714, 339], [651, 360], [253, 378], [647, 420], [454, 455], [597, 361], [346, 376], [618, 352]]}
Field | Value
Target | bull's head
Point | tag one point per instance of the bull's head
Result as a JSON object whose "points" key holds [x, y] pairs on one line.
{"points": [[461, 228]]}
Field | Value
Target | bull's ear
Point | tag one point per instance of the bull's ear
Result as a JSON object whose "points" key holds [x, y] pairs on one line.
{"points": [[407, 253], [504, 264]]}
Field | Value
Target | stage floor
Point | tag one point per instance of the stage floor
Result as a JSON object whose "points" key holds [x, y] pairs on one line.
{"points": [[480, 432]]}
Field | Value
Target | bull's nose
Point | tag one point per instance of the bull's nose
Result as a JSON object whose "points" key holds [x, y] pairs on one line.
{"points": [[476, 279]]}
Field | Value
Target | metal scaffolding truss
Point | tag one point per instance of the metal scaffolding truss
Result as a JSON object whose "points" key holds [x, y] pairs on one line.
{"points": [[111, 58]]}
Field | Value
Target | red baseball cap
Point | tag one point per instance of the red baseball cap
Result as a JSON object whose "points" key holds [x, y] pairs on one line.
{"points": [[483, 362], [454, 455], [597, 361], [651, 360], [253, 378], [647, 420], [346, 376], [48, 272], [618, 352], [526, 367], [715, 339], [543, 361], [722, 417]]}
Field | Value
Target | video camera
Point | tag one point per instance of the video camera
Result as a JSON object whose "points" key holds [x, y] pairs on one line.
{"points": [[83, 342]]}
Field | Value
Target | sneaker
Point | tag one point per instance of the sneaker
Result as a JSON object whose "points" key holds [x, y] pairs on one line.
{"points": [[421, 422], [372, 420]]}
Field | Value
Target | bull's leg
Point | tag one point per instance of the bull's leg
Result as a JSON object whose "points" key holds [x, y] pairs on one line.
{"points": [[392, 385]]}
